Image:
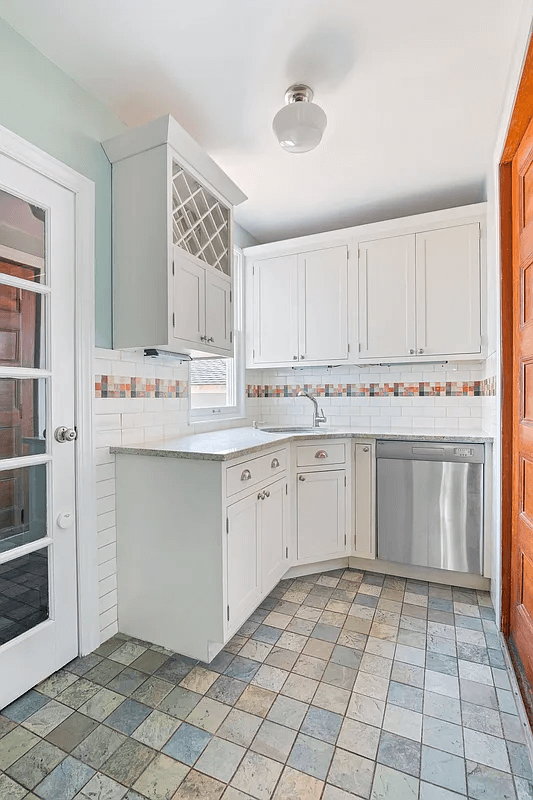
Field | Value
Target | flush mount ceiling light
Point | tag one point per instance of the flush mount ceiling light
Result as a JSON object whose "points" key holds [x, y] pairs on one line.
{"points": [[300, 124]]}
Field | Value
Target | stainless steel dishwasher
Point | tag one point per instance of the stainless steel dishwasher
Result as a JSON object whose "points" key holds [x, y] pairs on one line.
{"points": [[430, 504]]}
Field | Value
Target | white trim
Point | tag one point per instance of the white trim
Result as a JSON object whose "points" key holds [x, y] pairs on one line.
{"points": [[238, 409], [25, 153]]}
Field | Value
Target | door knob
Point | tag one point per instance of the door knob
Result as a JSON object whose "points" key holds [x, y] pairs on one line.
{"points": [[63, 434]]}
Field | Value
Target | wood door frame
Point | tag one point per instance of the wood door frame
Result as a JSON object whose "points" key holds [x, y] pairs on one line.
{"points": [[83, 189], [521, 116]]}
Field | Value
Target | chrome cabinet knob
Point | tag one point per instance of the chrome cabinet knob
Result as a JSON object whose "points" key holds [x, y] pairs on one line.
{"points": [[295, 358], [321, 454], [246, 475], [203, 338], [63, 434], [301, 477], [260, 496], [420, 351], [210, 339], [302, 357], [267, 493], [412, 352], [274, 463], [366, 449]]}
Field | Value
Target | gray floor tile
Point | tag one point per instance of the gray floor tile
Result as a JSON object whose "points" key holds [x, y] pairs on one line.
{"points": [[128, 762], [33, 767], [99, 746], [220, 759], [179, 702], [240, 727], [519, 758], [128, 716], [226, 690], [25, 706], [311, 756], [65, 781], [187, 743], [288, 711], [274, 740], [242, 668], [127, 681], [72, 731], [400, 753], [322, 724], [390, 784], [485, 782], [443, 769], [400, 694]]}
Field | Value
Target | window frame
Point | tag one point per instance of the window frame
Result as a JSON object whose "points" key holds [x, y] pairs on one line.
{"points": [[235, 381]]}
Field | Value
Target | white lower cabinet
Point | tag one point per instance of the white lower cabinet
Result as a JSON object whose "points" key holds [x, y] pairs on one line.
{"points": [[256, 550], [321, 514], [242, 558]]}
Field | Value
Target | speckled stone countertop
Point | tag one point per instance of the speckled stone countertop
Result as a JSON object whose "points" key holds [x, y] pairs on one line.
{"points": [[235, 442]]}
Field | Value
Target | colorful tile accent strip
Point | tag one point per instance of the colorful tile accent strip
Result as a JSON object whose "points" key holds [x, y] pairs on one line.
{"points": [[117, 386], [484, 388]]}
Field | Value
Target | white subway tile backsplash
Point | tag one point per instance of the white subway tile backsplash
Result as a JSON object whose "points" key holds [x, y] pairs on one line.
{"points": [[107, 553]]}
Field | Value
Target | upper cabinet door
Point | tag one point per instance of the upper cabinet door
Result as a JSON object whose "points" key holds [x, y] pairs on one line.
{"points": [[323, 304], [386, 298], [218, 310], [448, 291], [189, 300], [275, 310]]}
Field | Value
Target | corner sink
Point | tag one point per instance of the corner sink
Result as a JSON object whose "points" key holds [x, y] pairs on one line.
{"points": [[293, 429]]}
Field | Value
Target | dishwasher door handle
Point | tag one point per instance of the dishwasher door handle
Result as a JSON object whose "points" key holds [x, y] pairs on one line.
{"points": [[427, 451]]}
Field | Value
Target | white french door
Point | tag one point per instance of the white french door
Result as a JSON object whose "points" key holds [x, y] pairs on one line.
{"points": [[38, 569]]}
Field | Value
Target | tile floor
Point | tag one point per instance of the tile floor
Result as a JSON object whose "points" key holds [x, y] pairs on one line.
{"points": [[341, 685]]}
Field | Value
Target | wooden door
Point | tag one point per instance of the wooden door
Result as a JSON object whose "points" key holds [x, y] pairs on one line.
{"points": [[387, 298], [273, 531], [218, 310], [448, 284], [189, 299], [242, 559], [521, 616], [323, 305], [321, 514], [275, 310]]}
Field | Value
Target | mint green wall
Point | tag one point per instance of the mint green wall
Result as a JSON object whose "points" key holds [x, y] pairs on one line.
{"points": [[43, 105]]}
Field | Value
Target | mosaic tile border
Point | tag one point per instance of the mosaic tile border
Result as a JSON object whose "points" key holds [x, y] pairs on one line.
{"points": [[484, 388], [117, 386]]}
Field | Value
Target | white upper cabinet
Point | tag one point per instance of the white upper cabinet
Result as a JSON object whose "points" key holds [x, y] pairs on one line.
{"points": [[387, 298], [323, 305], [172, 242], [448, 295], [298, 308], [405, 290], [275, 310]]}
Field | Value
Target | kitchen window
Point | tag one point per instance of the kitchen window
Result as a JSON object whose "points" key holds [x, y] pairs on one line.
{"points": [[216, 385]]}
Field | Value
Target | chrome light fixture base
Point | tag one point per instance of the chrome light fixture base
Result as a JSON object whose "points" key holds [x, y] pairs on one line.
{"points": [[299, 93]]}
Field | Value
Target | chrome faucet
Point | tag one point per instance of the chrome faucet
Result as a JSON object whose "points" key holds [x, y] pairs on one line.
{"points": [[317, 417]]}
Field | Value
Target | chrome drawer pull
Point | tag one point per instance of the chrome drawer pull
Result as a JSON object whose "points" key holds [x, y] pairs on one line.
{"points": [[301, 477], [246, 475], [321, 454], [275, 463]]}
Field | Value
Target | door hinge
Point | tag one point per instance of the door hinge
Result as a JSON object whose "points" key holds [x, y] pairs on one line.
{"points": [[345, 540], [173, 320], [230, 296], [22, 516], [227, 524], [230, 337], [228, 613], [286, 552], [173, 266], [359, 346], [345, 480], [348, 348], [253, 353], [286, 488]]}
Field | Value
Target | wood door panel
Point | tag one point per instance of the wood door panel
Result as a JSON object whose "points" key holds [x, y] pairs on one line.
{"points": [[527, 293], [527, 489]]}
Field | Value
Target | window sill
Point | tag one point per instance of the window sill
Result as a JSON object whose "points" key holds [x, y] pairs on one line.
{"points": [[211, 418]]}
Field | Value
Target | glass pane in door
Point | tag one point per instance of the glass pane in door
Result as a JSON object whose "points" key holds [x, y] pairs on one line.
{"points": [[24, 596], [22, 238], [22, 417], [22, 506], [21, 328]]}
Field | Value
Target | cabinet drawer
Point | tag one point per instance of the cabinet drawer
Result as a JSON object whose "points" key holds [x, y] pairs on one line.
{"points": [[316, 455], [254, 471]]}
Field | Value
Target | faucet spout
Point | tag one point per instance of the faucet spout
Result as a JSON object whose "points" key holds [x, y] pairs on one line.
{"points": [[317, 417]]}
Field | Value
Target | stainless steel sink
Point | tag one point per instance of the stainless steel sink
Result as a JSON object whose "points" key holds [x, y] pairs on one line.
{"points": [[293, 429]]}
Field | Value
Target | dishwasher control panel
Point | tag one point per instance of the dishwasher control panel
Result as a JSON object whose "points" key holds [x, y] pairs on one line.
{"points": [[463, 452]]}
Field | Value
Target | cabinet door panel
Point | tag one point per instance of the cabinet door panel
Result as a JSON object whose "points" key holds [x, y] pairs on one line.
{"points": [[321, 514], [243, 586], [218, 310], [273, 526], [448, 291], [387, 297], [323, 295], [276, 310], [189, 300]]}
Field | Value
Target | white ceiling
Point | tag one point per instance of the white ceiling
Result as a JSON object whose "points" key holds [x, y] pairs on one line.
{"points": [[412, 90]]}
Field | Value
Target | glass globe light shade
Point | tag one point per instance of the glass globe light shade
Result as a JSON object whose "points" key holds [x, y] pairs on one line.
{"points": [[299, 126]]}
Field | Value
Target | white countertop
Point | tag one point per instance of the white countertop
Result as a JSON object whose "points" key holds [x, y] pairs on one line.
{"points": [[231, 443]]}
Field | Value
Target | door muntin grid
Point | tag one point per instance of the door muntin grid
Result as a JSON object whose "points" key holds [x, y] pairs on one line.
{"points": [[26, 468], [200, 222]]}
